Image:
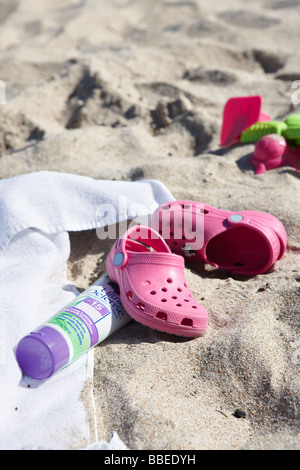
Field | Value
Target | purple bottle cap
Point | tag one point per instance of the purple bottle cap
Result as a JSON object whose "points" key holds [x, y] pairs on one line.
{"points": [[43, 352]]}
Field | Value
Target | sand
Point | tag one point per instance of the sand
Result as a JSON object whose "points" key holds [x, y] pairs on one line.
{"points": [[133, 89]]}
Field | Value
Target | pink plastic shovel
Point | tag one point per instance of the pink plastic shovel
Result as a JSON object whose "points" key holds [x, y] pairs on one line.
{"points": [[239, 114]]}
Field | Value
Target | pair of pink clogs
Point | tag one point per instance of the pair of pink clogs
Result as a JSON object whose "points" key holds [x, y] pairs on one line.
{"points": [[148, 262]]}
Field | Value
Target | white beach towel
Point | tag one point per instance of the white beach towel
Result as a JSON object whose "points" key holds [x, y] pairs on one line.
{"points": [[37, 211]]}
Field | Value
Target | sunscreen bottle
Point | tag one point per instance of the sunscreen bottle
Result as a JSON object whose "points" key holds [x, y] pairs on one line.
{"points": [[83, 323]]}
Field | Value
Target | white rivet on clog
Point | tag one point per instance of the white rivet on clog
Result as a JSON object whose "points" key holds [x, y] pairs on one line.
{"points": [[236, 218], [118, 259]]}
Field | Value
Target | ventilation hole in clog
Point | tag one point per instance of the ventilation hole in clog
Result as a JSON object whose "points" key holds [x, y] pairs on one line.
{"points": [[129, 294], [162, 316], [164, 289], [179, 289], [204, 211], [169, 280], [238, 264], [186, 300], [174, 297], [171, 234], [164, 300], [175, 243], [194, 306], [140, 306], [165, 207], [153, 292], [146, 283], [185, 206], [178, 305], [187, 322], [185, 284]]}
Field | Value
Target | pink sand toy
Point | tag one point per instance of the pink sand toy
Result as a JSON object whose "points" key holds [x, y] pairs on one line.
{"points": [[243, 242], [239, 114], [152, 284], [272, 151], [277, 142]]}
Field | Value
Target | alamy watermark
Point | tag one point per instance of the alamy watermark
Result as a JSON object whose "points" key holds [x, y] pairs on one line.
{"points": [[2, 92], [296, 95], [180, 223]]}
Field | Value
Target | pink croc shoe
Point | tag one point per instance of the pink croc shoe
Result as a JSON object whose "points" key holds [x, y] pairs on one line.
{"points": [[245, 242], [152, 284]]}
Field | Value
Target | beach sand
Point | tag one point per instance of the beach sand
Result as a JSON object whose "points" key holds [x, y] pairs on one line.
{"points": [[131, 90]]}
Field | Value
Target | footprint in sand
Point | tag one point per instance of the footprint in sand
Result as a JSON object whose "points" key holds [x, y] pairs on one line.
{"points": [[7, 7], [248, 19], [283, 4], [18, 132], [208, 76], [269, 61]]}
